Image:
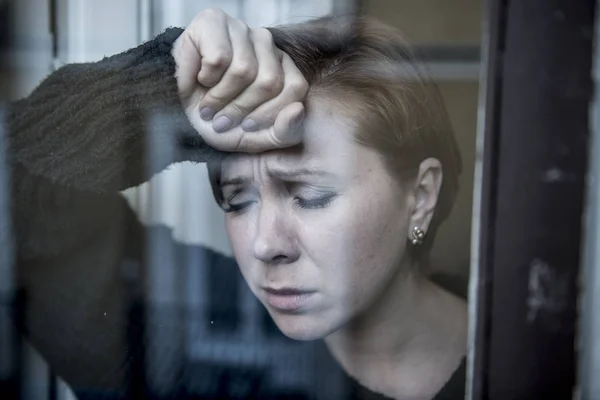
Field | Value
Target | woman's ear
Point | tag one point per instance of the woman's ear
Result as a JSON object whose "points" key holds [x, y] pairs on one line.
{"points": [[427, 188]]}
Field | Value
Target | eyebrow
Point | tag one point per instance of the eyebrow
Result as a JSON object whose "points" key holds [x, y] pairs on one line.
{"points": [[237, 181], [276, 173]]}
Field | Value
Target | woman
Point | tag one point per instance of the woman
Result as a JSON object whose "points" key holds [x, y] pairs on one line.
{"points": [[83, 135], [91, 130], [333, 236]]}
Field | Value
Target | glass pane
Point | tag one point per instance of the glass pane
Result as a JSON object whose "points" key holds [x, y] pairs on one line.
{"points": [[159, 257]]}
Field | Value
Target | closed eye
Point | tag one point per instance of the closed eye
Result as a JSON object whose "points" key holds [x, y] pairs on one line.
{"points": [[237, 207], [315, 202], [239, 200]]}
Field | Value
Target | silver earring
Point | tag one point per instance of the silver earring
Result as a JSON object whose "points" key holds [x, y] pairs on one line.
{"points": [[417, 236]]}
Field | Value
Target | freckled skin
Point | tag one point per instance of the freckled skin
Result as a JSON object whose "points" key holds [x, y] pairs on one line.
{"points": [[347, 251], [343, 234]]}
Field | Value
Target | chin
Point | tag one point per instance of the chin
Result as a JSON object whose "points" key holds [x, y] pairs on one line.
{"points": [[301, 328]]}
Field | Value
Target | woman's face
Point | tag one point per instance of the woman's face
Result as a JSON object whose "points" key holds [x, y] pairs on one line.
{"points": [[318, 230]]}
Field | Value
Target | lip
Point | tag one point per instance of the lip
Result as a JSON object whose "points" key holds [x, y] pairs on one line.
{"points": [[288, 299]]}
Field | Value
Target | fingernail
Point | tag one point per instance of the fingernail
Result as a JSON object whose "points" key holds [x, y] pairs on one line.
{"points": [[221, 124], [249, 125], [297, 120], [207, 113]]}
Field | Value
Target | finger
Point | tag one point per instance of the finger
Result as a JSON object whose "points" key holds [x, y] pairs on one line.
{"points": [[188, 61], [211, 37], [295, 89], [268, 84], [285, 132], [240, 74]]}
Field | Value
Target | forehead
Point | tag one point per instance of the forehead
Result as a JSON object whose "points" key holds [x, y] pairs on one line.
{"points": [[328, 143]]}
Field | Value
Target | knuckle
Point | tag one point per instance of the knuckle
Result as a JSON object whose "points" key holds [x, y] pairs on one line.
{"points": [[270, 84], [243, 71], [298, 86], [219, 60], [262, 34], [237, 109], [215, 100], [241, 25], [212, 12]]}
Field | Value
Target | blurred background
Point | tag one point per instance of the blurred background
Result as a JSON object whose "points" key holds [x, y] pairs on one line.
{"points": [[46, 34], [446, 33]]}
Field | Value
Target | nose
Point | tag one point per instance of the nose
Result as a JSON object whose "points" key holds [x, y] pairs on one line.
{"points": [[275, 242]]}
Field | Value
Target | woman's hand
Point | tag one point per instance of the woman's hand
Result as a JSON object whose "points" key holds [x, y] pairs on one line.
{"points": [[240, 92]]}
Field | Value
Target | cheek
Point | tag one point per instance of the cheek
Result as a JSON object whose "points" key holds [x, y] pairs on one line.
{"points": [[357, 247], [324, 234], [376, 244]]}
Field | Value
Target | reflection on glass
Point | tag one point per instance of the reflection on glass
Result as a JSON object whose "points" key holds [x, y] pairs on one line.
{"points": [[333, 236]]}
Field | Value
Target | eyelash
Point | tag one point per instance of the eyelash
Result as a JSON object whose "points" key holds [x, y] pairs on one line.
{"points": [[231, 208], [316, 203], [236, 208], [309, 204]]}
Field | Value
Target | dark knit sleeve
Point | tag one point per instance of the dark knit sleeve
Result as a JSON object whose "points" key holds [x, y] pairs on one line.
{"points": [[88, 131], [85, 133], [108, 125]]}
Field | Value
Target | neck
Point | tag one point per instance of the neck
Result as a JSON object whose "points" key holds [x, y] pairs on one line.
{"points": [[414, 329]]}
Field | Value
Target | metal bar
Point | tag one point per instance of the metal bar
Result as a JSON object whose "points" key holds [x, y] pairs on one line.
{"points": [[11, 309], [589, 347], [484, 201], [52, 386], [528, 262], [163, 295], [137, 387], [10, 313], [145, 20], [11, 368]]}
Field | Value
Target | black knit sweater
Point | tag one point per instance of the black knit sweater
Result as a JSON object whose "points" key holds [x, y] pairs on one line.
{"points": [[85, 133]]}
